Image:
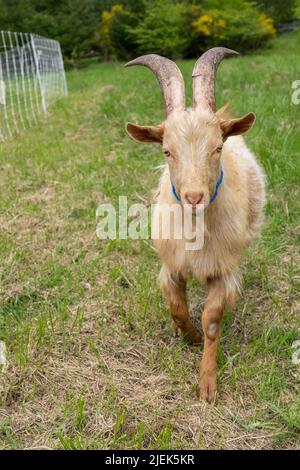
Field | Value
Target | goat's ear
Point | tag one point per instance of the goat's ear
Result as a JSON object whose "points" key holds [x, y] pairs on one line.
{"points": [[146, 133], [237, 126]]}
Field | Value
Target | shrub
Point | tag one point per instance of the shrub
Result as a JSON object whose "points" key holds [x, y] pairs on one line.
{"points": [[280, 11], [120, 34], [240, 25], [104, 34], [164, 29], [297, 10]]}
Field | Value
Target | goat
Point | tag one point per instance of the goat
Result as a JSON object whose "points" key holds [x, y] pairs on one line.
{"points": [[205, 157]]}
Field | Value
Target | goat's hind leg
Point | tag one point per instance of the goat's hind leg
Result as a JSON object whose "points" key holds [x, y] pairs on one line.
{"points": [[174, 288]]}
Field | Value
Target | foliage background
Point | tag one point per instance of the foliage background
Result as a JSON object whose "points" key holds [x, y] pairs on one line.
{"points": [[119, 29]]}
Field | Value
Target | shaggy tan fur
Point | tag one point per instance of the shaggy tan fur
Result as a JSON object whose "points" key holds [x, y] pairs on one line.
{"points": [[197, 143]]}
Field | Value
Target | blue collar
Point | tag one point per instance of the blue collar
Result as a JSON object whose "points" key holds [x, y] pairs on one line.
{"points": [[213, 196]]}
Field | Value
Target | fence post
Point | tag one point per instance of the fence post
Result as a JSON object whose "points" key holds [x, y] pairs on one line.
{"points": [[62, 70], [38, 74]]}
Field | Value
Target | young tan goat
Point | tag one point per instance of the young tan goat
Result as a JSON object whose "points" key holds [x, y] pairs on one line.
{"points": [[208, 165]]}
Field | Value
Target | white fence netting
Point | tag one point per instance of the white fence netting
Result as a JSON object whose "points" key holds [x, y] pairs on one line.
{"points": [[32, 76]]}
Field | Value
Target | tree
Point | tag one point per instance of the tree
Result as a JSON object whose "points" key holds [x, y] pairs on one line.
{"points": [[72, 22], [13, 14]]}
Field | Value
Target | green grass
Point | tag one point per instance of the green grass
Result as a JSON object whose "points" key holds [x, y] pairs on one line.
{"points": [[92, 358]]}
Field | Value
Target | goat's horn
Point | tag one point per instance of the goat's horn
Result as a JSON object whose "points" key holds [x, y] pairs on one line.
{"points": [[204, 76], [169, 77]]}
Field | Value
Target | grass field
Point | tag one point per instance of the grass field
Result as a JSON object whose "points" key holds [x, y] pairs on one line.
{"points": [[93, 361]]}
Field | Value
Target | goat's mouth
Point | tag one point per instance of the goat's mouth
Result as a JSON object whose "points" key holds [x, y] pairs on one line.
{"points": [[195, 210]]}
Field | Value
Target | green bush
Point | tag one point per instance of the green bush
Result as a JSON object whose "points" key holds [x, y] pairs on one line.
{"points": [[280, 11], [238, 24], [120, 34], [297, 10], [164, 29]]}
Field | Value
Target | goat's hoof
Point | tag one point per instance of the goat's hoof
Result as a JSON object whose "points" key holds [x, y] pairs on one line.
{"points": [[196, 338], [192, 338], [207, 388]]}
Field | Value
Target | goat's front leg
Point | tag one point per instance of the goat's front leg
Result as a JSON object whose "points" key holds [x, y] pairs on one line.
{"points": [[174, 288], [211, 323]]}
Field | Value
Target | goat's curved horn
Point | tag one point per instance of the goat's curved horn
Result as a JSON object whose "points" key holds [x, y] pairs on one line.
{"points": [[169, 77], [204, 76]]}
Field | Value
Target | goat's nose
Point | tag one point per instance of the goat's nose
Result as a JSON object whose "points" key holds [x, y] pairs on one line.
{"points": [[194, 198]]}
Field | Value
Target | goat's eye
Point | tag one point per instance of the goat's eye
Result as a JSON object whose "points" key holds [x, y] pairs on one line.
{"points": [[219, 149], [167, 153]]}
